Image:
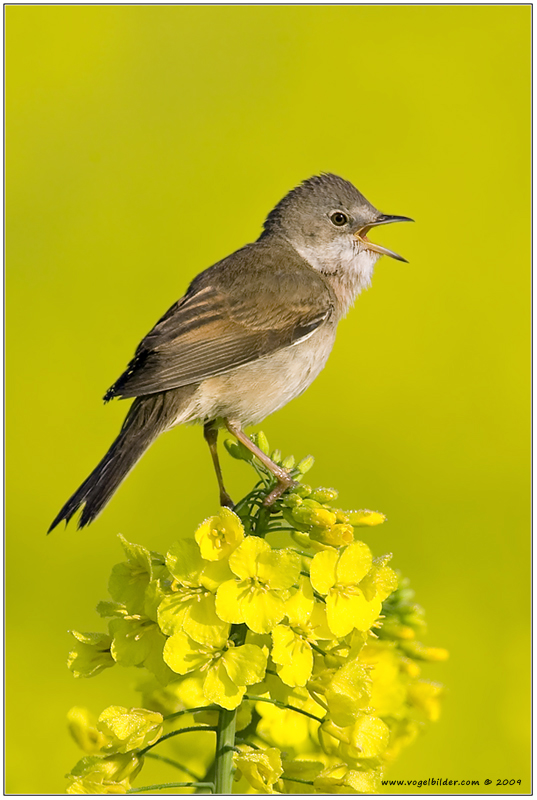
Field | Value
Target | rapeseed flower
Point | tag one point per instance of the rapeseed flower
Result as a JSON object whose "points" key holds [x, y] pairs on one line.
{"points": [[259, 590], [227, 669]]}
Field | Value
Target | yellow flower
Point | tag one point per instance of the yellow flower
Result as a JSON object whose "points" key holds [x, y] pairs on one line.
{"points": [[365, 740], [218, 536], [304, 770], [130, 728], [261, 768], [425, 696], [109, 775], [191, 604], [264, 576], [337, 575], [90, 655], [228, 670], [388, 681], [339, 779], [285, 727], [292, 644], [83, 728]]}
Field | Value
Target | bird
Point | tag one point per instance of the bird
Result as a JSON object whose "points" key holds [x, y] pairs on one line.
{"points": [[250, 334]]}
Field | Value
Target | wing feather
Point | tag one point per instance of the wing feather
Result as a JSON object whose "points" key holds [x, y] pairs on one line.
{"points": [[221, 324]]}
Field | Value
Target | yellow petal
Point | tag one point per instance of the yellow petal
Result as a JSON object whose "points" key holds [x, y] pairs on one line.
{"points": [[300, 605], [243, 561], [283, 640], [279, 569], [203, 625], [219, 688], [227, 602], [262, 609], [219, 535], [245, 664], [184, 561], [323, 571], [370, 736], [348, 611], [354, 563], [298, 672], [182, 654]]}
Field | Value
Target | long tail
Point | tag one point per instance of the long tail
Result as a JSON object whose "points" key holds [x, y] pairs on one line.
{"points": [[148, 417]]}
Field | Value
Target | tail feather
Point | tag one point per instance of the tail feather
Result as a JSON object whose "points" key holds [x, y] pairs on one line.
{"points": [[148, 417]]}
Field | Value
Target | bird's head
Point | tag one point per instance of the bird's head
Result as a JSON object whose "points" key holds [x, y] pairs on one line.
{"points": [[327, 220]]}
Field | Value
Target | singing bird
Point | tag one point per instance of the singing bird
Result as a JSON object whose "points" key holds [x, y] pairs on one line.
{"points": [[251, 333]]}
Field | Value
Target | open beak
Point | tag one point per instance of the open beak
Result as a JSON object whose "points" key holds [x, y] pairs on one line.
{"points": [[383, 219]]}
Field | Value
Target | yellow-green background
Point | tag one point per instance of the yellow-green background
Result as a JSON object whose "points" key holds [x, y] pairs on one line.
{"points": [[143, 144]]}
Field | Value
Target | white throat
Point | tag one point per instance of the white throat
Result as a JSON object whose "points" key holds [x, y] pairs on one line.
{"points": [[347, 265]]}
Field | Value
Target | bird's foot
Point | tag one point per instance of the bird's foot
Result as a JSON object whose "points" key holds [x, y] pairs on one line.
{"points": [[281, 487], [225, 499]]}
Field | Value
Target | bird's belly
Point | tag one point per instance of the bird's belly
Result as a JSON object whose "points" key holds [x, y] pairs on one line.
{"points": [[250, 393]]}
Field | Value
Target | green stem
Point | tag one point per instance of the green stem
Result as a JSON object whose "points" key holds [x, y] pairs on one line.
{"points": [[191, 729], [279, 704], [174, 763], [225, 731], [295, 780], [225, 745], [263, 517], [190, 711], [157, 786]]}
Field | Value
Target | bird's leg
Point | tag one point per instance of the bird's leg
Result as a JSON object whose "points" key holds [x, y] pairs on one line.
{"points": [[284, 479], [210, 432]]}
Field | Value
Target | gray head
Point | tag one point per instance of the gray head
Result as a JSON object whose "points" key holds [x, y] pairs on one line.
{"points": [[326, 219]]}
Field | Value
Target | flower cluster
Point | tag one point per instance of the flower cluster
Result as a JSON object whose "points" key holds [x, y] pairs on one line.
{"points": [[278, 622]]}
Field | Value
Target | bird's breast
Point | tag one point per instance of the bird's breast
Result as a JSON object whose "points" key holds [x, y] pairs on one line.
{"points": [[252, 392]]}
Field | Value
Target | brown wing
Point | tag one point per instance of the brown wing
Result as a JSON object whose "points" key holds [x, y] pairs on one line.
{"points": [[224, 322]]}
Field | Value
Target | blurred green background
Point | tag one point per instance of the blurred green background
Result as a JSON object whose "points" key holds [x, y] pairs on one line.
{"points": [[144, 143]]}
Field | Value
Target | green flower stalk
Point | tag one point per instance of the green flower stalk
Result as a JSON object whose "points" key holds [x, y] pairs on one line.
{"points": [[303, 659]]}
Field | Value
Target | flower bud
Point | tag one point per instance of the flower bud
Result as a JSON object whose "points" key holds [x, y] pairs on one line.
{"points": [[318, 517], [233, 448], [324, 495], [423, 653], [291, 500], [394, 629], [336, 536], [365, 517], [305, 465], [304, 490]]}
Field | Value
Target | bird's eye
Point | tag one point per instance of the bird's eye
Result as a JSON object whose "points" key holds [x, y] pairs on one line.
{"points": [[339, 218]]}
